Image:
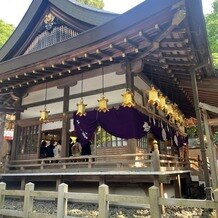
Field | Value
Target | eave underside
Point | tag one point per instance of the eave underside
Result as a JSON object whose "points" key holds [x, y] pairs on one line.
{"points": [[163, 42]]}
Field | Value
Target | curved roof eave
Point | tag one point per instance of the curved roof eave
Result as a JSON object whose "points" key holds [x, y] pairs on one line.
{"points": [[91, 36], [8, 46], [83, 13], [199, 38]]}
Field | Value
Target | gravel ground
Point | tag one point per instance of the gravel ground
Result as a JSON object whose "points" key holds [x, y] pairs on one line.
{"points": [[91, 210]]}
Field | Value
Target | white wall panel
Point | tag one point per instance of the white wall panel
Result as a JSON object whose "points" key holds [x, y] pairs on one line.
{"points": [[96, 83], [114, 97], [38, 96], [138, 98], [140, 83], [52, 125], [54, 108]]}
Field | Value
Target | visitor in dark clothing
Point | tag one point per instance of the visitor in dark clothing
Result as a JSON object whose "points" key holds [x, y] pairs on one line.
{"points": [[49, 149], [86, 150], [42, 151]]}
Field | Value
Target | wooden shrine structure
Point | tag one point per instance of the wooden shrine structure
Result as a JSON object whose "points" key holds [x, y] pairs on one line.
{"points": [[63, 51]]}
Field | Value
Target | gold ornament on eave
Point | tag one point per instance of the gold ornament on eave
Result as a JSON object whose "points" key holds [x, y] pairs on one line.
{"points": [[162, 103], [153, 96], [175, 113], [81, 108], [44, 115], [128, 99], [103, 107], [169, 109]]}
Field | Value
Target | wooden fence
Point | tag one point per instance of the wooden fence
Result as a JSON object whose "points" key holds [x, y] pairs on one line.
{"points": [[147, 162], [103, 198]]}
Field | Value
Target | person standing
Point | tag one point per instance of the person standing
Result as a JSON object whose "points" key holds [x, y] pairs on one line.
{"points": [[42, 151], [57, 150], [49, 149], [76, 148]]}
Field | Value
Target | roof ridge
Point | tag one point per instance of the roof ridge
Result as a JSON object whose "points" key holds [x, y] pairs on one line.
{"points": [[91, 8]]}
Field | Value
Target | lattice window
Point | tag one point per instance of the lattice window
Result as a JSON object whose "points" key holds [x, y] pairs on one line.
{"points": [[28, 139], [143, 143], [104, 139], [48, 38]]}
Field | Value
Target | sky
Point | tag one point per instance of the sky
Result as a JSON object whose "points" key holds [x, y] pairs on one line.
{"points": [[12, 11]]}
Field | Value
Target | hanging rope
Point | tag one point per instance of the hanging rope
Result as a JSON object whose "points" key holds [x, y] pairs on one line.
{"points": [[102, 80], [82, 86], [127, 76], [46, 93], [151, 68]]}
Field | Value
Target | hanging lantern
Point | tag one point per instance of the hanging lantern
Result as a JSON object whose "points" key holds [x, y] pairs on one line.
{"points": [[81, 108], [153, 96], [128, 100], [44, 115], [103, 107], [162, 103]]}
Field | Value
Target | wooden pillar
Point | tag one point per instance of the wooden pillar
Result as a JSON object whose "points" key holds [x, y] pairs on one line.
{"points": [[66, 123], [101, 180], [58, 182], [129, 76], [39, 140], [201, 135], [155, 162], [131, 146], [16, 133], [155, 157], [22, 184], [211, 152], [177, 187], [2, 128]]}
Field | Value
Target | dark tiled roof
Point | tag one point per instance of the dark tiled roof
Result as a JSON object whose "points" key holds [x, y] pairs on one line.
{"points": [[85, 13]]}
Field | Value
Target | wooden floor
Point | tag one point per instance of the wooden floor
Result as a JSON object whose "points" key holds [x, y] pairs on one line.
{"points": [[134, 168]]}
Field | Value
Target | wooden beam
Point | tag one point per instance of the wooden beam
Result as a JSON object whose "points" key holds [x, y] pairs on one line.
{"points": [[200, 132], [211, 152], [179, 16], [72, 80], [11, 109], [213, 122], [208, 107]]}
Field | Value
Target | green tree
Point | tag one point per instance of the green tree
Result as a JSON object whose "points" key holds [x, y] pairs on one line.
{"points": [[94, 3], [212, 29], [5, 31]]}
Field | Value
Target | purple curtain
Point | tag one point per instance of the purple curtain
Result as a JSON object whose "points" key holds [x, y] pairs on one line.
{"points": [[124, 123]]}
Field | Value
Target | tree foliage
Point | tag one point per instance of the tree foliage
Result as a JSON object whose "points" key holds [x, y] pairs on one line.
{"points": [[94, 3], [5, 31], [212, 29]]}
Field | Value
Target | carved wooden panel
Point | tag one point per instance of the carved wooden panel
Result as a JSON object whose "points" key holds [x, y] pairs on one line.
{"points": [[48, 38]]}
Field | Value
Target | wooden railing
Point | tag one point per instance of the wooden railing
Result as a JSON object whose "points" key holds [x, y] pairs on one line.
{"points": [[103, 198], [150, 162]]}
